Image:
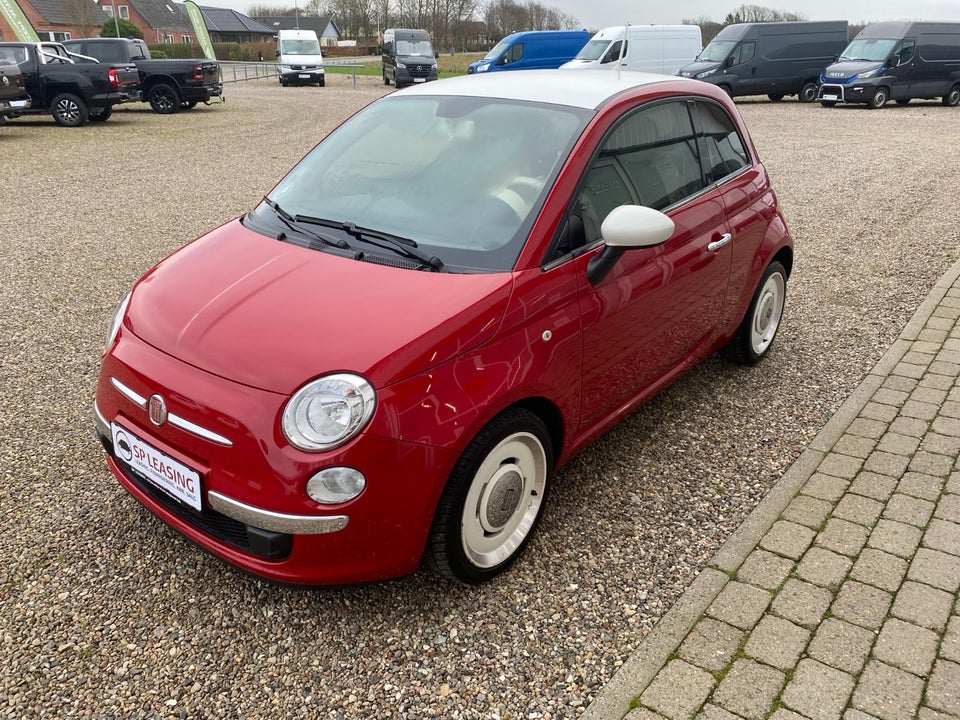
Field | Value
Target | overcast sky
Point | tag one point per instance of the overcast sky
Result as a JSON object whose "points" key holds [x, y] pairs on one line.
{"points": [[595, 14]]}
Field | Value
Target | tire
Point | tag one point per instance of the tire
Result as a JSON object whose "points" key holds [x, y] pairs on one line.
{"points": [[100, 114], [775, 97], [952, 98], [164, 99], [493, 500], [879, 99], [808, 93], [905, 101], [759, 326], [188, 104], [728, 90], [323, 82], [828, 103], [69, 110]]}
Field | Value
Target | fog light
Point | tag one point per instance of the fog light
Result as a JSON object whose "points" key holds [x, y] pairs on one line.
{"points": [[336, 485]]}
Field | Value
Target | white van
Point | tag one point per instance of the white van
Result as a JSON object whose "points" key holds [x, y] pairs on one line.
{"points": [[650, 48], [299, 58]]}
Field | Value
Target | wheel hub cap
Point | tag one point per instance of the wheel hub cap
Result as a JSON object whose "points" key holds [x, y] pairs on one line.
{"points": [[501, 499]]}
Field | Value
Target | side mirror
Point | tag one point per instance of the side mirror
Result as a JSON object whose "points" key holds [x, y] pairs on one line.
{"points": [[626, 227], [276, 53]]}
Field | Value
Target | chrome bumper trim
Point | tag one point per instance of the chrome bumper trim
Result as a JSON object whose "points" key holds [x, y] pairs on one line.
{"points": [[273, 521]]}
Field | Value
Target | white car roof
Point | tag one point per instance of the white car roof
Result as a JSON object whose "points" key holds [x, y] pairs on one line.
{"points": [[586, 89]]}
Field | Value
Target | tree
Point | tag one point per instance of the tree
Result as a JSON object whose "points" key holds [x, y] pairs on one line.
{"points": [[85, 16], [759, 13], [118, 27], [708, 28]]}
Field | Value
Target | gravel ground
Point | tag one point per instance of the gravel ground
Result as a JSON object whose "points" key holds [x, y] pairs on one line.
{"points": [[104, 612]]}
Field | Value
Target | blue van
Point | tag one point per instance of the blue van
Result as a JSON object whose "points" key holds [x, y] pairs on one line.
{"points": [[533, 49]]}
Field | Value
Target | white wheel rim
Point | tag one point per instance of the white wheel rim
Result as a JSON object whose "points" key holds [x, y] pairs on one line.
{"points": [[504, 500], [767, 313]]}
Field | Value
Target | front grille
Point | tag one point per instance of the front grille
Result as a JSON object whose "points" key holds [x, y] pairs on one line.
{"points": [[418, 70]]}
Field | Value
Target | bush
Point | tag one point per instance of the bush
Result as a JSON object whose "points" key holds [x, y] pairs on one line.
{"points": [[127, 29]]}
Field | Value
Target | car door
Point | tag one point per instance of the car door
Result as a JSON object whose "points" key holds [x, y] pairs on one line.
{"points": [[659, 307], [903, 69]]}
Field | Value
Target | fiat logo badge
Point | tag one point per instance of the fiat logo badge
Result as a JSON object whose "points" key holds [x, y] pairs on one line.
{"points": [[157, 410]]}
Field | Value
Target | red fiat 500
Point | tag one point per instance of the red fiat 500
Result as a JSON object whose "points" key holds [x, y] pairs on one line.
{"points": [[446, 299]]}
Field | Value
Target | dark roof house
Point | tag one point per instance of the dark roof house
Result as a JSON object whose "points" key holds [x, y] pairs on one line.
{"points": [[326, 29], [58, 19], [232, 26]]}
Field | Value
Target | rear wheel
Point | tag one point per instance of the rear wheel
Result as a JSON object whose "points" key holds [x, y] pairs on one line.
{"points": [[164, 99], [775, 97], [69, 110], [808, 93], [759, 327], [952, 98], [879, 99], [493, 500], [100, 114]]}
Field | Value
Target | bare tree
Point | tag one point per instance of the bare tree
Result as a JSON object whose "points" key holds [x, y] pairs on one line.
{"points": [[270, 11], [84, 15], [759, 13]]}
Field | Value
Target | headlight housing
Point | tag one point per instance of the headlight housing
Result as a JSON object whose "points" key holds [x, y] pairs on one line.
{"points": [[114, 327], [327, 412], [401, 66], [705, 73], [870, 73]]}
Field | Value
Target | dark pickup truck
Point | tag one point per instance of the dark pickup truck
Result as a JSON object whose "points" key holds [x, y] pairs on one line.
{"points": [[70, 91], [13, 90], [168, 85]]}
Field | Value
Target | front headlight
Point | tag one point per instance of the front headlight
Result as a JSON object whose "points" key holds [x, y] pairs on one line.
{"points": [[870, 74], [328, 411], [483, 68], [706, 73], [401, 66], [114, 327]]}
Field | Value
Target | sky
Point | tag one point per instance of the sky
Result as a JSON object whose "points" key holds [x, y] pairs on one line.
{"points": [[596, 14]]}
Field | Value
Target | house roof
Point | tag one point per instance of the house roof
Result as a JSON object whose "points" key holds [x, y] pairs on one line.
{"points": [[161, 14], [62, 12], [305, 22], [223, 20]]}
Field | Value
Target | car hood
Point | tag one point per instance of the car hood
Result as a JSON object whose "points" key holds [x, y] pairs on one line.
{"points": [[273, 315], [694, 69], [849, 68]]}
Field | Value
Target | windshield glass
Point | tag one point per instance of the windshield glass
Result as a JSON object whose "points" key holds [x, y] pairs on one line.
{"points": [[496, 50], [717, 51], [874, 49], [593, 50], [463, 177], [414, 48], [302, 46]]}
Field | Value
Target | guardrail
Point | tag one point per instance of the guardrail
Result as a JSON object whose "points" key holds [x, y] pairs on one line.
{"points": [[234, 71]]}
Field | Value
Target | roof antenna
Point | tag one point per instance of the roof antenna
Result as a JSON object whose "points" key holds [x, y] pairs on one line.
{"points": [[623, 47]]}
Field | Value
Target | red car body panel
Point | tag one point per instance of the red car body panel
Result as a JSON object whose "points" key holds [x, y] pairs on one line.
{"points": [[227, 328]]}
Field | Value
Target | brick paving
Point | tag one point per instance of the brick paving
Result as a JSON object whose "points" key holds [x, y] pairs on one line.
{"points": [[844, 604]]}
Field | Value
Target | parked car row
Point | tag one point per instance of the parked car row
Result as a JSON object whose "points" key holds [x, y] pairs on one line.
{"points": [[82, 80]]}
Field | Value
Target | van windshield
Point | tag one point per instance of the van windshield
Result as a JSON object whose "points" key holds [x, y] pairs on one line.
{"points": [[874, 49], [497, 50], [593, 50], [300, 46], [467, 190], [414, 48], [717, 51]]}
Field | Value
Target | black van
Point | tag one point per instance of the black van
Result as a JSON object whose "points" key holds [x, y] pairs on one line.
{"points": [[898, 61], [408, 57], [773, 59]]}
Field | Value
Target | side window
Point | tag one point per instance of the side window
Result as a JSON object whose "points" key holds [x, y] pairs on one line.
{"points": [[904, 52], [613, 54], [744, 53], [514, 53], [724, 152]]}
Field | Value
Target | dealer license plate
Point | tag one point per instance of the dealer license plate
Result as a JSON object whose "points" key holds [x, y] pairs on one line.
{"points": [[304, 76], [830, 97], [419, 79], [174, 478]]}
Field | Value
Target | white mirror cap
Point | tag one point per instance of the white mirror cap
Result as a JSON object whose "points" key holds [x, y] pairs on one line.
{"points": [[634, 226]]}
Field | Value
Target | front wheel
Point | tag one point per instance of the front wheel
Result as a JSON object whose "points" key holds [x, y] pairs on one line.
{"points": [[164, 99], [808, 93], [493, 500], [69, 110], [879, 99], [775, 97], [952, 98], [386, 80], [759, 327], [100, 114]]}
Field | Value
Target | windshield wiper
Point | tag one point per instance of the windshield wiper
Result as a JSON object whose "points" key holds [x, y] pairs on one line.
{"points": [[292, 222], [387, 241]]}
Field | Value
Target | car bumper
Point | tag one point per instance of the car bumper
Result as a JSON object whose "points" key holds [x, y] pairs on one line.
{"points": [[854, 93], [255, 512], [15, 106]]}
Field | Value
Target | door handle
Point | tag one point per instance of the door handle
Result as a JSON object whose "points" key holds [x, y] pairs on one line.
{"points": [[717, 244]]}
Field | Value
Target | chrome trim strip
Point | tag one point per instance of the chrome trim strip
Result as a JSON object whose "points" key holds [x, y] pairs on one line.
{"points": [[174, 420], [190, 427], [276, 522], [101, 422], [129, 394]]}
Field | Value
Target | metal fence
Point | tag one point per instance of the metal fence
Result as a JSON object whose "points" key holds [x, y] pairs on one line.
{"points": [[231, 71]]}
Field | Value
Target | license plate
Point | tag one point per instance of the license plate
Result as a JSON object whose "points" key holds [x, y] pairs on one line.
{"points": [[419, 79], [304, 76], [830, 97], [174, 478]]}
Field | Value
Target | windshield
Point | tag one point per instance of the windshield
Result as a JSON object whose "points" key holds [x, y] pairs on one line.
{"points": [[593, 50], [463, 177], [717, 51], [875, 49], [302, 46], [414, 48], [496, 50]]}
